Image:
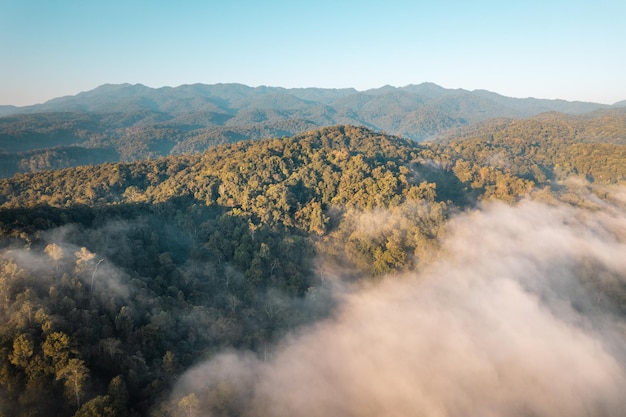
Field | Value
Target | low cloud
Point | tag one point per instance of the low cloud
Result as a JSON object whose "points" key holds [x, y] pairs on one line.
{"points": [[513, 319], [55, 255]]}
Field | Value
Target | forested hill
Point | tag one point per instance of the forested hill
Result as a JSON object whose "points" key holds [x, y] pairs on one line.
{"points": [[545, 147], [132, 122], [343, 166], [116, 278], [600, 126], [539, 149]]}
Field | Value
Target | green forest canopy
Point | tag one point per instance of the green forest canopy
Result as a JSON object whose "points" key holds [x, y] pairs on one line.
{"points": [[115, 278]]}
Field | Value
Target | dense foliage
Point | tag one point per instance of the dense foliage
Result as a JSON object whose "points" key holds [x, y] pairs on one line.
{"points": [[542, 149], [115, 278]]}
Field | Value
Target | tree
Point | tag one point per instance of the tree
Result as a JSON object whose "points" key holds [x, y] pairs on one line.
{"points": [[170, 364], [190, 405], [118, 394], [75, 374], [100, 406], [56, 347], [55, 252], [23, 348], [83, 259]]}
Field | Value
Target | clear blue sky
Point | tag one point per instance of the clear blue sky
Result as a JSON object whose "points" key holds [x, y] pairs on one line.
{"points": [[575, 50]]}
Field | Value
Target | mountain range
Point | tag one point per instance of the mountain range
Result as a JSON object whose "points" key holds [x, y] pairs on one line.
{"points": [[127, 122]]}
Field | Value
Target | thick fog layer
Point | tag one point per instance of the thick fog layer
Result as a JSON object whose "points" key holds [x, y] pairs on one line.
{"points": [[520, 316]]}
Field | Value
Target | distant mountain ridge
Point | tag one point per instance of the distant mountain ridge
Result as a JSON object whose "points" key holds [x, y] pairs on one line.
{"points": [[113, 98], [126, 122]]}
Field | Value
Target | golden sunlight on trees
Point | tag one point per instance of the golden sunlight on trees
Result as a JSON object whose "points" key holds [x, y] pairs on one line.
{"points": [[117, 278], [74, 374]]}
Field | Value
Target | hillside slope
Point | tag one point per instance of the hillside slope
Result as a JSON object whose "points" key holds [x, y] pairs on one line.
{"points": [[549, 146], [116, 279]]}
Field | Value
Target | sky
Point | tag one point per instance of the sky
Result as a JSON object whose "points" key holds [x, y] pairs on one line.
{"points": [[572, 50]]}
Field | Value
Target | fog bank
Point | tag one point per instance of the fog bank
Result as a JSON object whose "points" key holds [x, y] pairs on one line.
{"points": [[519, 316]]}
